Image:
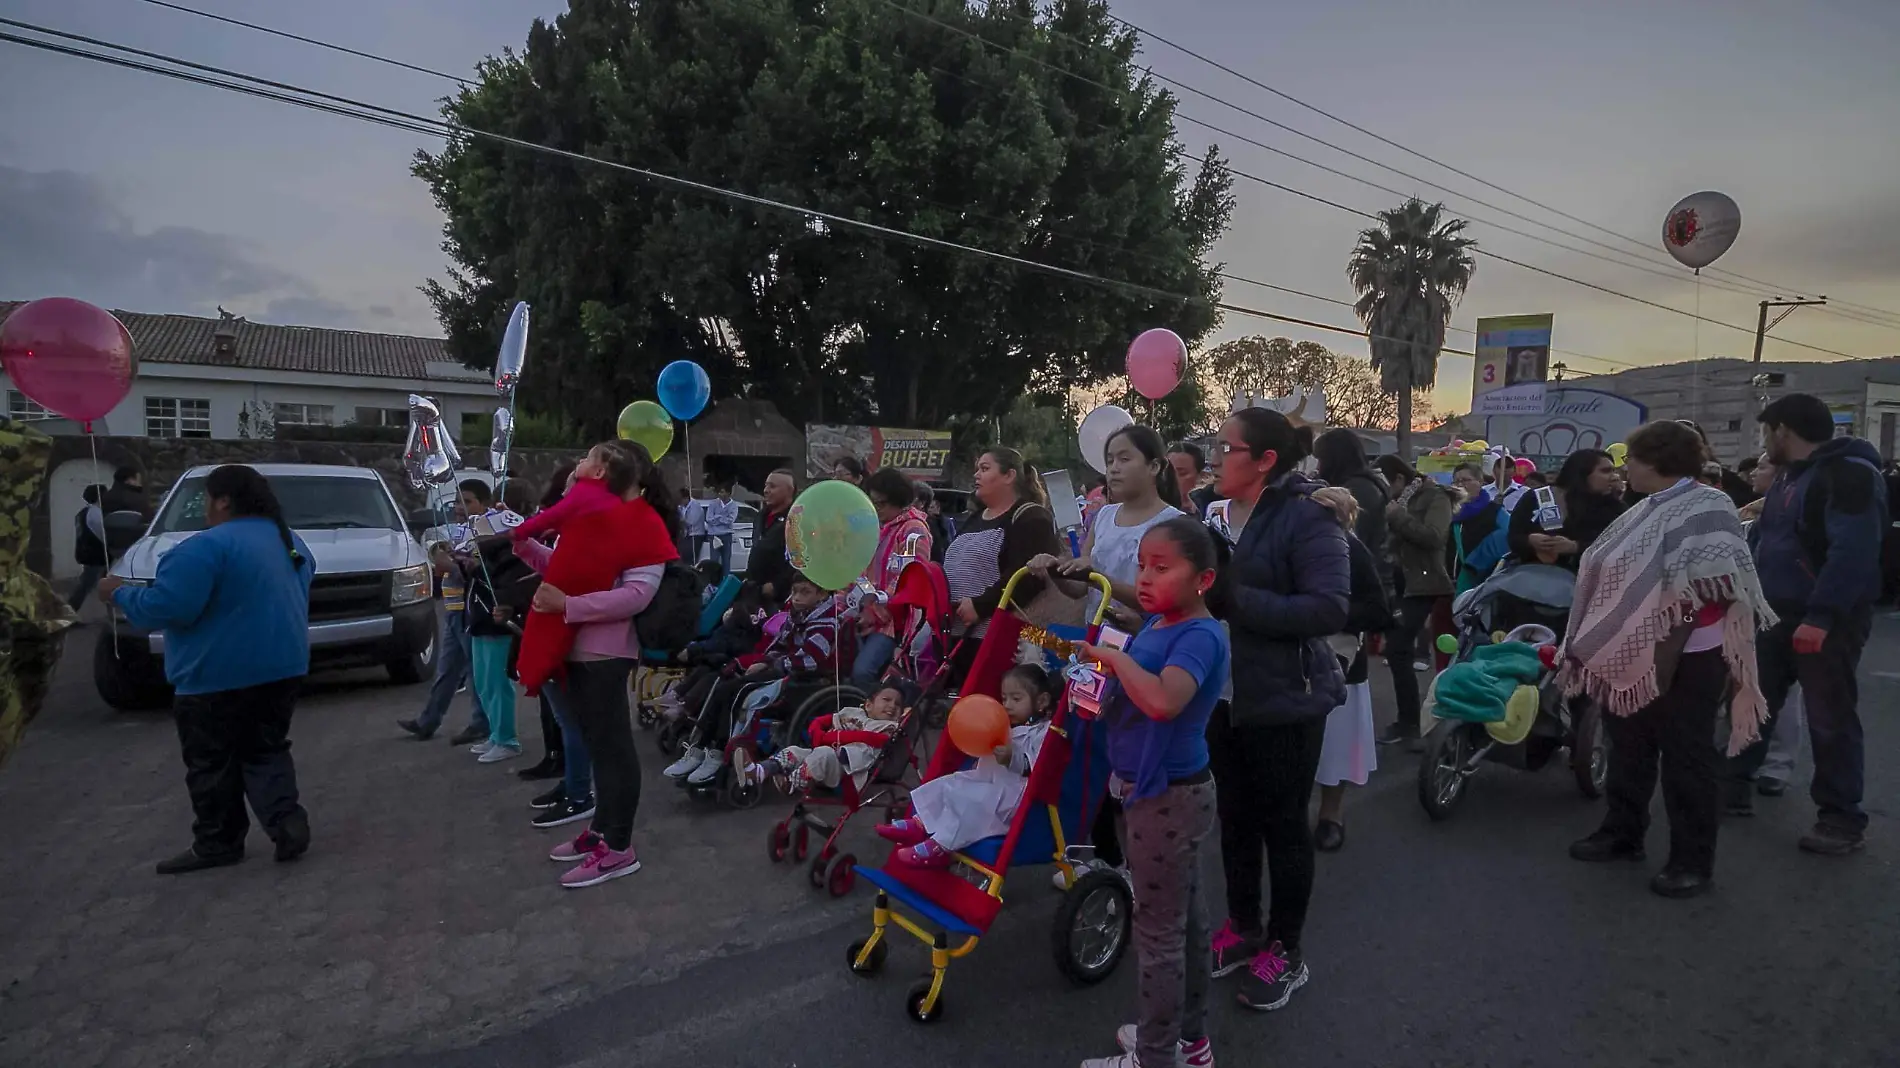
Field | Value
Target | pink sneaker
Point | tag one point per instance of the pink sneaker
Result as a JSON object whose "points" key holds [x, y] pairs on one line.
{"points": [[580, 848], [1231, 950], [601, 865], [925, 854], [1197, 1054], [903, 832]]}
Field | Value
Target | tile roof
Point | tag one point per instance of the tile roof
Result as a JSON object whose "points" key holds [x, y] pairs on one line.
{"points": [[187, 339]]}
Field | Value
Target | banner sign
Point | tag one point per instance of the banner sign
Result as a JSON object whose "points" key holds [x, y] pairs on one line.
{"points": [[1513, 365], [921, 454], [1572, 419]]}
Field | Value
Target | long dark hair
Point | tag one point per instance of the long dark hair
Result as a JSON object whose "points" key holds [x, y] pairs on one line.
{"points": [[1264, 428], [1341, 455], [1028, 482], [1573, 478], [557, 485], [251, 497], [1148, 443], [628, 465]]}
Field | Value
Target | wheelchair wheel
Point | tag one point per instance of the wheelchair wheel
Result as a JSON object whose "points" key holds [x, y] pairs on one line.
{"points": [[648, 718], [821, 703], [1093, 926], [671, 737]]}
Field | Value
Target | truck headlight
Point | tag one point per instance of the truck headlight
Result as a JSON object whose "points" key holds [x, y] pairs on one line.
{"points": [[409, 585]]}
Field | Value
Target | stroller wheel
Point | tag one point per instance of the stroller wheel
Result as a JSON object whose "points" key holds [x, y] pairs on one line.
{"points": [[779, 841], [1442, 771], [839, 878], [914, 1003], [872, 964], [801, 842], [1590, 753], [817, 873], [1092, 927], [738, 791]]}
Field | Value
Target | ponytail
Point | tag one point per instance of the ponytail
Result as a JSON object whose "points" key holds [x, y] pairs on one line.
{"points": [[251, 497], [629, 465], [1028, 483]]}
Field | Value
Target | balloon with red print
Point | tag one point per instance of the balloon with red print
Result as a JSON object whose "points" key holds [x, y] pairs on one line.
{"points": [[70, 357], [1156, 361]]}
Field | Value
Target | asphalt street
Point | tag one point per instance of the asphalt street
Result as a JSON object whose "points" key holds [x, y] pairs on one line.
{"points": [[423, 929]]}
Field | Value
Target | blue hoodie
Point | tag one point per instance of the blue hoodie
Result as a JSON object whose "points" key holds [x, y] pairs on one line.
{"points": [[234, 609], [1817, 544]]}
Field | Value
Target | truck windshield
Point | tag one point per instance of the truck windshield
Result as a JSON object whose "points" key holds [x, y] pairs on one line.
{"points": [[310, 502]]}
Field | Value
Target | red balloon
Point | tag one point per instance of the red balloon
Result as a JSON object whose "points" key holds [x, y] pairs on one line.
{"points": [[978, 724], [69, 356]]}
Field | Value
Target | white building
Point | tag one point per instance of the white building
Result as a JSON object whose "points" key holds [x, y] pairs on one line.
{"points": [[223, 378]]}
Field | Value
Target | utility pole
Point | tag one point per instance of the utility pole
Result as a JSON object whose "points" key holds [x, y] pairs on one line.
{"points": [[1762, 325]]}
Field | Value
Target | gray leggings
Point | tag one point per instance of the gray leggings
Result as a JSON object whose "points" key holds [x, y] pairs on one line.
{"points": [[1163, 842]]}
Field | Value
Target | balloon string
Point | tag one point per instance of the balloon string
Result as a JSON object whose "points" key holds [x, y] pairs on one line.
{"points": [[1695, 362], [112, 617]]}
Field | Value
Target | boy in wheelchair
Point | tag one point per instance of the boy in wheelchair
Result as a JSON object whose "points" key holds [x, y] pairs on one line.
{"points": [[802, 657]]}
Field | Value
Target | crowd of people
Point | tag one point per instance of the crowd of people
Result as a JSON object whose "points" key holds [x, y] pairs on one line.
{"points": [[1253, 602]]}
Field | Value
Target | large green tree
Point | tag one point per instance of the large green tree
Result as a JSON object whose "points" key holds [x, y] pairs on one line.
{"points": [[1411, 269], [1023, 132], [1275, 366]]}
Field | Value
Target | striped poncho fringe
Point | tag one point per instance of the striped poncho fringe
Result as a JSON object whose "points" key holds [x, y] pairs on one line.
{"points": [[1649, 573]]}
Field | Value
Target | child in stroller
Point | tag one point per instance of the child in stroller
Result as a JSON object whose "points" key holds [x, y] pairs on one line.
{"points": [[803, 654], [953, 811], [847, 742]]}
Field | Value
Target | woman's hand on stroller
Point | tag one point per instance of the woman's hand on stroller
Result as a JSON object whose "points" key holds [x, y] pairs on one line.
{"points": [[966, 612]]}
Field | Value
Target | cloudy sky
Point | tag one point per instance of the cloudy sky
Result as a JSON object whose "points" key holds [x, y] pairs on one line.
{"points": [[146, 194]]}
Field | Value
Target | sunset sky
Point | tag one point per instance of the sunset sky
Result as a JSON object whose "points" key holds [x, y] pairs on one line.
{"points": [[137, 192]]}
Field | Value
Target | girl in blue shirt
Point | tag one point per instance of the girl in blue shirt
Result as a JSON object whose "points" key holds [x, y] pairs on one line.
{"points": [[1167, 682]]}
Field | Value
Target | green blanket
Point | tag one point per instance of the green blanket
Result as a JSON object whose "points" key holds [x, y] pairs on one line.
{"points": [[1475, 690]]}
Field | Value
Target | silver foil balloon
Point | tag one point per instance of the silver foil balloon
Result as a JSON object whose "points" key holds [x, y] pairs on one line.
{"points": [[504, 438], [514, 351], [431, 456]]}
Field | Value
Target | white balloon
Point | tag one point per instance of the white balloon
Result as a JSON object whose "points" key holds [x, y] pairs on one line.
{"points": [[1097, 426], [1700, 228]]}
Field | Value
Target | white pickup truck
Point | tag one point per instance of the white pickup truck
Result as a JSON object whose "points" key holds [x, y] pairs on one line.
{"points": [[370, 602]]}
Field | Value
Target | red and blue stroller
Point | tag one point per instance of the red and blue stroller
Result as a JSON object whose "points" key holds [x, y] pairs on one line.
{"points": [[951, 909]]}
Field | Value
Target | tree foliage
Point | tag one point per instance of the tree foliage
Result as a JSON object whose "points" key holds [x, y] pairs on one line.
{"points": [[851, 107], [1410, 270], [1273, 366]]}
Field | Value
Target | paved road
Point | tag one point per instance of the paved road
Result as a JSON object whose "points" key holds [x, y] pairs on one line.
{"points": [[424, 930]]}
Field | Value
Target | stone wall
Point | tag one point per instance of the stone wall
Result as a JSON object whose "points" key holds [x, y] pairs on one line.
{"points": [[164, 459]]}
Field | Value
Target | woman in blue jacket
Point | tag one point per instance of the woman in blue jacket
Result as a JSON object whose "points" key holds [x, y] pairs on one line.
{"points": [[1283, 593], [234, 603]]}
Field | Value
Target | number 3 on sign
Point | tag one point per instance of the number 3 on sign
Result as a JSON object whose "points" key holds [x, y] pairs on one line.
{"points": [[1490, 373]]}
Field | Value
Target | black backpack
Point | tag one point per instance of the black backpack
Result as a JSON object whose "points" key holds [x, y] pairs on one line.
{"points": [[671, 619]]}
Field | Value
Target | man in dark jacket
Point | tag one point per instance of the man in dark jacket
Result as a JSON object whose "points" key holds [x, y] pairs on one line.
{"points": [[127, 493], [1818, 550], [768, 566]]}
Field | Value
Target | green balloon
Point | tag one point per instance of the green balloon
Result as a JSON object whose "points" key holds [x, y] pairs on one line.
{"points": [[831, 533], [647, 424], [1447, 644]]}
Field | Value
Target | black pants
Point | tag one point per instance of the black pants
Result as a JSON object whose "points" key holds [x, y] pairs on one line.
{"points": [[1105, 833], [236, 744], [550, 729], [1401, 650], [1263, 779], [1676, 730], [598, 689], [1830, 691]]}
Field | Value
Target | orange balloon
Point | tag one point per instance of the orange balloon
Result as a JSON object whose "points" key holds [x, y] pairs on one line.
{"points": [[978, 724]]}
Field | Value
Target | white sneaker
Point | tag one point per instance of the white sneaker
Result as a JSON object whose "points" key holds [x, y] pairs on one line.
{"points": [[498, 753], [1186, 1055], [482, 747], [1420, 665], [708, 769], [686, 764]]}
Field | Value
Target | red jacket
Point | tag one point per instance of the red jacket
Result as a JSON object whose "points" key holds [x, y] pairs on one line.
{"points": [[822, 734], [593, 551]]}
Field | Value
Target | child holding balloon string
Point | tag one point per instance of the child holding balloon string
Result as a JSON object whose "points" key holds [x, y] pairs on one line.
{"points": [[957, 810]]}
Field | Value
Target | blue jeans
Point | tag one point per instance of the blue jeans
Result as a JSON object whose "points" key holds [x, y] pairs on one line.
{"points": [[451, 672], [578, 781], [874, 654], [724, 548]]}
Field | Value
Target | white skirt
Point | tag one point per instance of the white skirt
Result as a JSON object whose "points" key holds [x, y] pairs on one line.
{"points": [[1350, 751]]}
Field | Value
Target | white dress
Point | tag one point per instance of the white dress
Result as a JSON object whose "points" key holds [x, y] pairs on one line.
{"points": [[1350, 751], [968, 806]]}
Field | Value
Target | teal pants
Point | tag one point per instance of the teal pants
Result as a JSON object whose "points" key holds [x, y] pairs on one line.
{"points": [[489, 676]]}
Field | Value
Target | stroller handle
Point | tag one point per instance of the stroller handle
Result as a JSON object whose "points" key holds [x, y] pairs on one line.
{"points": [[1101, 583]]}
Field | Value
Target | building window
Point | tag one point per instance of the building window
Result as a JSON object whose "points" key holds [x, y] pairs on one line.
{"points": [[1734, 425], [382, 416], [21, 406], [305, 414], [177, 417]]}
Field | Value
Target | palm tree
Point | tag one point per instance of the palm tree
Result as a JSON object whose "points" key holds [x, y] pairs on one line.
{"points": [[1410, 269]]}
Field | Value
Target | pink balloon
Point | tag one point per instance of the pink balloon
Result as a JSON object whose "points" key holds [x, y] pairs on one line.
{"points": [[69, 356], [1156, 361], [1525, 466]]}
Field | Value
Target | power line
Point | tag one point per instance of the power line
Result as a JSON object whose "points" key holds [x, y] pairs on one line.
{"points": [[371, 56], [348, 108]]}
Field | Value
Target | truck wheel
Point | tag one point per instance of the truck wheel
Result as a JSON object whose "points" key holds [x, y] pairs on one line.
{"points": [[414, 668], [127, 679]]}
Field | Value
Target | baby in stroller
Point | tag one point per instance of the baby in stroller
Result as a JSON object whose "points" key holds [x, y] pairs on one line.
{"points": [[850, 742], [960, 809], [805, 648]]}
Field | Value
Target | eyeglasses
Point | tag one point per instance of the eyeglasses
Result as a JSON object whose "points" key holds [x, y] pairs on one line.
{"points": [[1228, 448]]}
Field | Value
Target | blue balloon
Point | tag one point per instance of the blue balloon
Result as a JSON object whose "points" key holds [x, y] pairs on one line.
{"points": [[684, 389]]}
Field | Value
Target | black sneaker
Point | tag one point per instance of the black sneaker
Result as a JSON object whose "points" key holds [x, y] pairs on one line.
{"points": [[551, 798], [415, 730], [1738, 797], [1605, 846], [550, 767], [1831, 841], [566, 812], [1680, 882], [293, 837], [1271, 979], [191, 860], [1770, 787], [469, 736]]}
